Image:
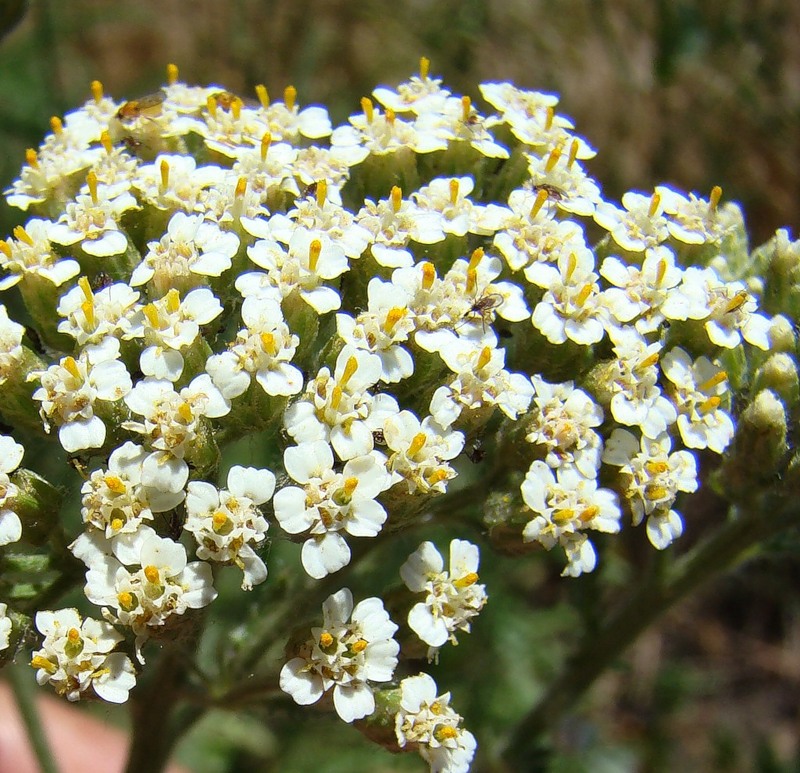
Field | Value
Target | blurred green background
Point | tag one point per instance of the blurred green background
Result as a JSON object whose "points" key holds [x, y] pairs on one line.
{"points": [[688, 93]]}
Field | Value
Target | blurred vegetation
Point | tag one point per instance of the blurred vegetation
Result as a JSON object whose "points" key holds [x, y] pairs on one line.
{"points": [[679, 91]]}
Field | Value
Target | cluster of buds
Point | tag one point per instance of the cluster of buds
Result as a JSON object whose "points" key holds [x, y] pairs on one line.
{"points": [[378, 307]]}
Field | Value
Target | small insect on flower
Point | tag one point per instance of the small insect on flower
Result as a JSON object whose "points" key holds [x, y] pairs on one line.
{"points": [[483, 307], [554, 193], [148, 106]]}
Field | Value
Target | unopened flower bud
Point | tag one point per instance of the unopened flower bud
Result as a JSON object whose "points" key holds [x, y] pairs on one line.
{"points": [[779, 373], [781, 335]]}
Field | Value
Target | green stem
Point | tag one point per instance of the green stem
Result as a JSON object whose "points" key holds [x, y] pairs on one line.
{"points": [[23, 690], [660, 590]]}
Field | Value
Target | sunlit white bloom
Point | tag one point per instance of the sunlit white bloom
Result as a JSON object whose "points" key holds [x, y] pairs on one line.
{"points": [[263, 350], [698, 389], [143, 598], [288, 122], [563, 422], [227, 523], [5, 627], [93, 219], [338, 408], [11, 454], [559, 171], [426, 719], [90, 316], [565, 505], [419, 94], [449, 198], [31, 254], [115, 501], [452, 598], [227, 127], [652, 477], [314, 164], [70, 391], [190, 249], [637, 227], [328, 503], [171, 425], [353, 647], [11, 350], [572, 307], [421, 451], [76, 656], [693, 220], [268, 169], [175, 182]]}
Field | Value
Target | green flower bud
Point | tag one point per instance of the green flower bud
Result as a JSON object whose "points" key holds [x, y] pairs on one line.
{"points": [[779, 373], [781, 334]]}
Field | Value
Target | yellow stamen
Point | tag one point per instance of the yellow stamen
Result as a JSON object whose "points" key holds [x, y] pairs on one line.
{"points": [[393, 316], [97, 90], [290, 97], [336, 397], [453, 191], [236, 108], [117, 524], [105, 141], [151, 312], [73, 635], [655, 203], [351, 366], [71, 366], [266, 141], [572, 264], [709, 405], [367, 107], [151, 573], [589, 513], [563, 516], [268, 344], [472, 281], [417, 443], [83, 283], [263, 95], [484, 358], [397, 197], [661, 272], [322, 192], [185, 412], [647, 362], [548, 121], [31, 159], [714, 381], [37, 661], [424, 67], [241, 188], [713, 199], [5, 248], [428, 275], [325, 640], [656, 468], [126, 600], [467, 580], [390, 116], [359, 646], [541, 197], [466, 108], [584, 294], [91, 181], [314, 250], [211, 104], [219, 521], [114, 483], [445, 733], [173, 300], [57, 125], [654, 492], [164, 169], [476, 257], [573, 153], [350, 485], [172, 74], [87, 307], [437, 476], [21, 235], [552, 159]]}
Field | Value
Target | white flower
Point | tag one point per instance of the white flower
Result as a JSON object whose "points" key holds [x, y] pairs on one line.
{"points": [[640, 225], [227, 523], [452, 598], [190, 250], [31, 254], [11, 350], [565, 505], [171, 425], [698, 390], [353, 647], [91, 316], [563, 423], [449, 198], [693, 220], [174, 182], [426, 719], [11, 454], [5, 627], [328, 503], [421, 451], [115, 501], [76, 656], [286, 121], [70, 390], [558, 171], [653, 478]]}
